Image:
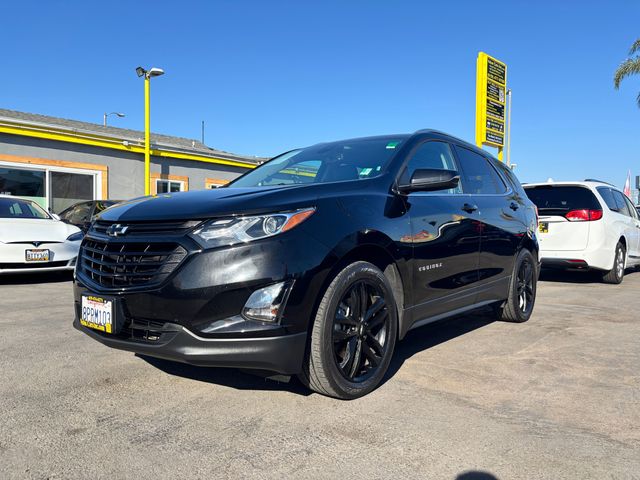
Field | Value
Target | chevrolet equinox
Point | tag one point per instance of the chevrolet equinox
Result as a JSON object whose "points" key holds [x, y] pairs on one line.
{"points": [[314, 263]]}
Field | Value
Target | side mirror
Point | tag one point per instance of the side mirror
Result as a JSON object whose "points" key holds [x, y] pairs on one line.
{"points": [[430, 180], [54, 215]]}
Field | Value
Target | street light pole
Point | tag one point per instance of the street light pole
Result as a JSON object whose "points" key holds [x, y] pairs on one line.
{"points": [[152, 72], [147, 135], [104, 117]]}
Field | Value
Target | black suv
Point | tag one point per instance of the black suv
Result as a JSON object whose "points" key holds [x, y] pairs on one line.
{"points": [[314, 263]]}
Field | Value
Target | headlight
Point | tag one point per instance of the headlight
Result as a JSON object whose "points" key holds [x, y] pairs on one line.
{"points": [[229, 231], [75, 237]]}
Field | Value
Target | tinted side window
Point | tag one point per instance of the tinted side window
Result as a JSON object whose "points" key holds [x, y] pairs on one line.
{"points": [[81, 213], [607, 196], [511, 177], [65, 214], [631, 207], [434, 155], [622, 205], [100, 206], [478, 177]]}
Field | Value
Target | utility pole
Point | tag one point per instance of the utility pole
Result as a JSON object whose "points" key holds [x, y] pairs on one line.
{"points": [[203, 131]]}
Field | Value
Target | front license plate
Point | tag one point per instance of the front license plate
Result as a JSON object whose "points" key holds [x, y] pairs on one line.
{"points": [[36, 255], [97, 313], [543, 227]]}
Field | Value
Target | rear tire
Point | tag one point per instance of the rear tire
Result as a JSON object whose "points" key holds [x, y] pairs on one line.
{"points": [[522, 290], [353, 335], [616, 274]]}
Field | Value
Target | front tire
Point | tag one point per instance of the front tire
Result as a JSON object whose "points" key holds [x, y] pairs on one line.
{"points": [[353, 334], [518, 307], [616, 274]]}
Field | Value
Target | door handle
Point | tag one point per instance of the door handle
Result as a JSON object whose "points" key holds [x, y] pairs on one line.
{"points": [[514, 206], [469, 208]]}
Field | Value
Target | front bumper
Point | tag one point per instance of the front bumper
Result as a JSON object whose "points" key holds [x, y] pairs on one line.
{"points": [[282, 354], [62, 256], [194, 315]]}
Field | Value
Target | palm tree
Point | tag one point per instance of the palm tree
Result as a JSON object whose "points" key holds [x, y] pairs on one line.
{"points": [[631, 66]]}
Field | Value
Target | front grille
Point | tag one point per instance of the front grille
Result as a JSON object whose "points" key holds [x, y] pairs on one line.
{"points": [[147, 228], [117, 264], [146, 331]]}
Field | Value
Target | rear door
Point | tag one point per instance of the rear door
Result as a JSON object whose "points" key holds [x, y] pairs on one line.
{"points": [[627, 212], [499, 222], [635, 222], [557, 204]]}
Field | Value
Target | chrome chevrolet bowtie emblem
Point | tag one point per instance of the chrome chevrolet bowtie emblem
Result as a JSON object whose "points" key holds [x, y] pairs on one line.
{"points": [[116, 230]]}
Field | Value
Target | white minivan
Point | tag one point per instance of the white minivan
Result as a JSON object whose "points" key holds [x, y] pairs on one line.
{"points": [[586, 225]]}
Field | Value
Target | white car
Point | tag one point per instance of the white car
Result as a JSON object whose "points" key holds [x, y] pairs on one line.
{"points": [[32, 240], [586, 225]]}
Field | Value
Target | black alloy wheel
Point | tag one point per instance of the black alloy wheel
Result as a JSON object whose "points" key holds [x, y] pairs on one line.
{"points": [[518, 307], [353, 334], [525, 285], [360, 331]]}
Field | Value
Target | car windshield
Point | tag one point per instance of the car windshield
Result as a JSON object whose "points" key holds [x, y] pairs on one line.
{"points": [[324, 163], [20, 208]]}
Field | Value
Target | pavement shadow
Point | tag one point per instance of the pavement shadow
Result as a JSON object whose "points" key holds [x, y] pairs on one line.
{"points": [[416, 341], [229, 377], [35, 278], [572, 276], [476, 475], [424, 338]]}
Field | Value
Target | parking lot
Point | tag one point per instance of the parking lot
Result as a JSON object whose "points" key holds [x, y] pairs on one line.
{"points": [[556, 397]]}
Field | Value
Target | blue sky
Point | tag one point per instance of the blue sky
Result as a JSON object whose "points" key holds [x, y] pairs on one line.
{"points": [[267, 76]]}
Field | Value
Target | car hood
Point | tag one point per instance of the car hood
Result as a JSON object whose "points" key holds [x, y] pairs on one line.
{"points": [[201, 204], [34, 230]]}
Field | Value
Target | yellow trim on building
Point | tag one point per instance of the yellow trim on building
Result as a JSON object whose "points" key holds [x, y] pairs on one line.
{"points": [[95, 140]]}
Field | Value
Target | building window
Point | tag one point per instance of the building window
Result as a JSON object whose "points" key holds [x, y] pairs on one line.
{"points": [[53, 188], [214, 183], [169, 186], [24, 183], [66, 189]]}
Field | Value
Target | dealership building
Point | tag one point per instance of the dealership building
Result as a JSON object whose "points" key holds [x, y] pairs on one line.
{"points": [[59, 162]]}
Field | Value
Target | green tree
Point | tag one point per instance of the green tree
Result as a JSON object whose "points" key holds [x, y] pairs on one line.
{"points": [[631, 66]]}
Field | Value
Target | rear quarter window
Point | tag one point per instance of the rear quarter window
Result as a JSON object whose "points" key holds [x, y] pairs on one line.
{"points": [[607, 196], [510, 177], [559, 199]]}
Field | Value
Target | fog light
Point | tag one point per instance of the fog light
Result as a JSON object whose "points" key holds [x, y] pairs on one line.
{"points": [[264, 304]]}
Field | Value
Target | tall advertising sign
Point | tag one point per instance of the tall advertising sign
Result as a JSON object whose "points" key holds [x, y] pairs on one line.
{"points": [[491, 97]]}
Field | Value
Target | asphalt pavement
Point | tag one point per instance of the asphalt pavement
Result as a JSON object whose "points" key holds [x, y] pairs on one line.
{"points": [[468, 398]]}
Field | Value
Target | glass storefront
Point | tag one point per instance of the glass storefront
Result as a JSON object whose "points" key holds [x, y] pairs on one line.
{"points": [[69, 188], [24, 183], [52, 188]]}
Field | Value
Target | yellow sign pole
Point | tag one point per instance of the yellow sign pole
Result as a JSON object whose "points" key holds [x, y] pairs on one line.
{"points": [[147, 136]]}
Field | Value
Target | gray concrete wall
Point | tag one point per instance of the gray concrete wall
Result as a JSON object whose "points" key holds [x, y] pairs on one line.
{"points": [[126, 169], [197, 172]]}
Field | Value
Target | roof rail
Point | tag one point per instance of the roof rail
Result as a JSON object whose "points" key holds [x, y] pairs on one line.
{"points": [[599, 181]]}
